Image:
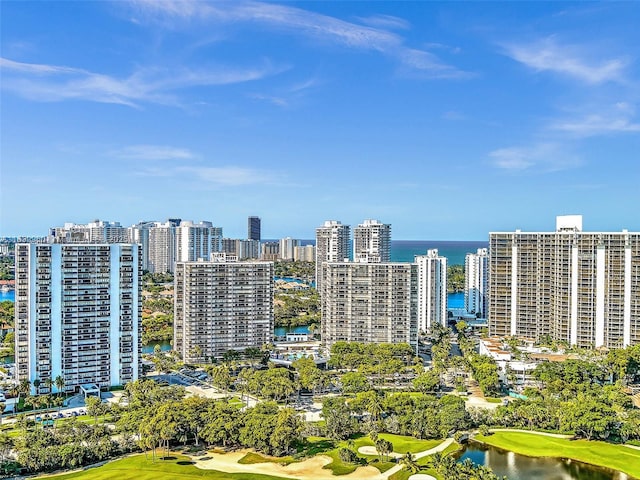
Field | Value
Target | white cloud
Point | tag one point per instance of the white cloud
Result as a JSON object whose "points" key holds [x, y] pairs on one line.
{"points": [[297, 21], [386, 21], [543, 158], [153, 152], [570, 60], [616, 119], [227, 176], [154, 85]]}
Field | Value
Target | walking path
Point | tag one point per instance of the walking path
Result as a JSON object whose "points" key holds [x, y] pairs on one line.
{"points": [[310, 469]]}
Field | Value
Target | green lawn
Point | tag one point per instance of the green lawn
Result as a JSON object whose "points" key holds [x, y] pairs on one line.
{"points": [[144, 469], [616, 457], [253, 457], [401, 444], [404, 444]]}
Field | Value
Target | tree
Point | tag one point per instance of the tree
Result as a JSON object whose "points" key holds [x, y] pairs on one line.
{"points": [[59, 383], [24, 388], [354, 382], [220, 376], [339, 424], [221, 423], [313, 328], [427, 382], [410, 462], [384, 448], [275, 383], [95, 408]]}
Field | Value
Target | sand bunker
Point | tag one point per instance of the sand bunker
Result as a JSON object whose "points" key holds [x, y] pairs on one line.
{"points": [[370, 450], [310, 469]]}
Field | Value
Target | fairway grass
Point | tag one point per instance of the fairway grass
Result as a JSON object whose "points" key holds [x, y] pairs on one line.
{"points": [[602, 454], [141, 468], [253, 457]]}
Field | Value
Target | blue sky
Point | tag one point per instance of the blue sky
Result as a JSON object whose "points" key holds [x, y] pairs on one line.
{"points": [[447, 120]]}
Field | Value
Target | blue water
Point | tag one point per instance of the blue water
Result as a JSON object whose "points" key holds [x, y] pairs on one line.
{"points": [[10, 295], [455, 300], [455, 251], [282, 331], [405, 250], [164, 346]]}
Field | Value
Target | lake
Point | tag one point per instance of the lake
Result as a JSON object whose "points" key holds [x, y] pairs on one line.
{"points": [[520, 467]]}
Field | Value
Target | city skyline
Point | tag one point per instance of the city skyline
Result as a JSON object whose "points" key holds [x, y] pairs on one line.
{"points": [[446, 120]]}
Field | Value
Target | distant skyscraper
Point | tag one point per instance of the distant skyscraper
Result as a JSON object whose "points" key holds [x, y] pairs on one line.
{"points": [[78, 314], [197, 241], [369, 302], [306, 253], [476, 278], [579, 287], [332, 245], [270, 251], [222, 305], [372, 242], [287, 246], [253, 228], [98, 231], [162, 247], [432, 290]]}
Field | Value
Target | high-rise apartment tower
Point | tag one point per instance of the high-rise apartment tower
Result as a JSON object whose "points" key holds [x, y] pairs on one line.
{"points": [[78, 310], [476, 282], [372, 242], [579, 287], [332, 245], [369, 302], [222, 305], [432, 290]]}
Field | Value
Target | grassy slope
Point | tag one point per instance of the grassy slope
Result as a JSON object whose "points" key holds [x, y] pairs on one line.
{"points": [[142, 469], [170, 469], [253, 457], [602, 454]]}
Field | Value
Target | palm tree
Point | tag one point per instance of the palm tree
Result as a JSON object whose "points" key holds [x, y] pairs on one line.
{"points": [[48, 383], [410, 462], [59, 383], [36, 385], [313, 328], [23, 388]]}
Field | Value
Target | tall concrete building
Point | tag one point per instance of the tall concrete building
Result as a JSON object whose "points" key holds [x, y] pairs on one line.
{"points": [[476, 282], [98, 231], [197, 241], [579, 287], [305, 253], [253, 228], [162, 247], [222, 305], [78, 314], [369, 302], [332, 245], [270, 251], [432, 290], [372, 242], [287, 247], [139, 234]]}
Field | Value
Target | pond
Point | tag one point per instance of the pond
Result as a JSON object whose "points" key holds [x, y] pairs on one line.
{"points": [[520, 467], [282, 331], [164, 346]]}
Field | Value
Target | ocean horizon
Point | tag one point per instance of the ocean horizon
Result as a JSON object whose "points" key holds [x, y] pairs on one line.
{"points": [[406, 250]]}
